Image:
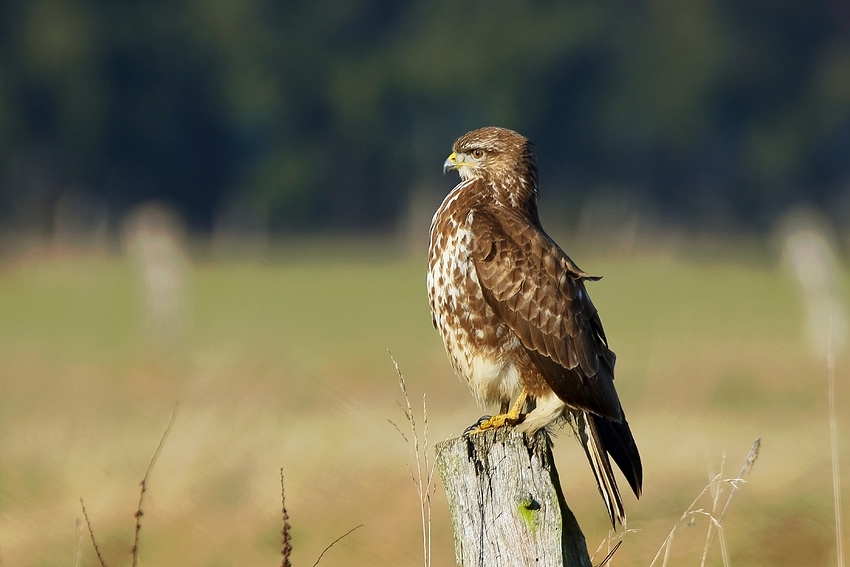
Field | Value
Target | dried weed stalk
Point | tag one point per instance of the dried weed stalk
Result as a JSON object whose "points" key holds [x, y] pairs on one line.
{"points": [[334, 542], [139, 513], [715, 516], [423, 478], [605, 544], [144, 486], [610, 554], [285, 535], [91, 533]]}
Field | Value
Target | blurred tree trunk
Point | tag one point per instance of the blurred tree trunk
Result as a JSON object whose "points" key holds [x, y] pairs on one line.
{"points": [[506, 503]]}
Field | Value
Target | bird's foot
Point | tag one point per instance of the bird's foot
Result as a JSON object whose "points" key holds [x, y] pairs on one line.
{"points": [[474, 428], [512, 417], [501, 420], [486, 422]]}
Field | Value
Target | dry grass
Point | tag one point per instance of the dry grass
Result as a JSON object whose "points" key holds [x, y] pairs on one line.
{"points": [[285, 364], [715, 491], [423, 478]]}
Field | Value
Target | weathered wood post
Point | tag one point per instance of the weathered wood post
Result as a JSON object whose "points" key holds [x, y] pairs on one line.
{"points": [[506, 503]]}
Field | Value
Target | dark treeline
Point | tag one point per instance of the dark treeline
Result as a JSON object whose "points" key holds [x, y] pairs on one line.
{"points": [[329, 114]]}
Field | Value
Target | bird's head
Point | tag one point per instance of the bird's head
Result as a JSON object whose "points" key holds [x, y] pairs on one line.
{"points": [[500, 157]]}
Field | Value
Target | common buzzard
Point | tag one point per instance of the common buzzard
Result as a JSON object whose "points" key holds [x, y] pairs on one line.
{"points": [[513, 312]]}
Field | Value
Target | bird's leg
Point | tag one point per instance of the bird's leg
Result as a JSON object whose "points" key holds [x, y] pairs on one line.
{"points": [[512, 417]]}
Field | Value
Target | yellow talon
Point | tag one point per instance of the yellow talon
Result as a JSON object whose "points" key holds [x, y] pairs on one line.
{"points": [[513, 417], [496, 421]]}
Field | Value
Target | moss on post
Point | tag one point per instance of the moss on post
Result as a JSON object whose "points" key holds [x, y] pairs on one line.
{"points": [[506, 502]]}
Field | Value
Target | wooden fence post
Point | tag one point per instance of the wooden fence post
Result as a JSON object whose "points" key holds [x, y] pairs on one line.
{"points": [[506, 503]]}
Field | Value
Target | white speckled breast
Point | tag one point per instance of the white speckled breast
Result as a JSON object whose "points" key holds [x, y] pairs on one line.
{"points": [[471, 333]]}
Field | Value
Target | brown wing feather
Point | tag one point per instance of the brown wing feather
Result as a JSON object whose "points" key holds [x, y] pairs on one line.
{"points": [[539, 293]]}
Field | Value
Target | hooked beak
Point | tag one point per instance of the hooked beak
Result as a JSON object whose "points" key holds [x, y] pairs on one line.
{"points": [[454, 162], [450, 163]]}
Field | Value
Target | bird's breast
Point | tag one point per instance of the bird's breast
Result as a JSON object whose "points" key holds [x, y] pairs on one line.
{"points": [[474, 338]]}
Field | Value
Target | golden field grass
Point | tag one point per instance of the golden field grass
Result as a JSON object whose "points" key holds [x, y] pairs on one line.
{"points": [[283, 363]]}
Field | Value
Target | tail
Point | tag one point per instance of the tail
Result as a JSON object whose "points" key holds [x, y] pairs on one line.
{"points": [[601, 437]]}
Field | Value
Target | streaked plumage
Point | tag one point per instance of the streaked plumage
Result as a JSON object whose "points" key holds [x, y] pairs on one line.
{"points": [[513, 312]]}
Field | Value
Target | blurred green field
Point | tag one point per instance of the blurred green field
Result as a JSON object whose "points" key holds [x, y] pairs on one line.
{"points": [[283, 363]]}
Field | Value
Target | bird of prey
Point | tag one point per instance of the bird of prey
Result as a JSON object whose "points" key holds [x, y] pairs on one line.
{"points": [[513, 312]]}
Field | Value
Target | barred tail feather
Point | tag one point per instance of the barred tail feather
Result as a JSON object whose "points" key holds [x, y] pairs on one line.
{"points": [[593, 445]]}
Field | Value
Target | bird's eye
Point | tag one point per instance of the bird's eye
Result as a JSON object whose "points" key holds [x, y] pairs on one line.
{"points": [[477, 153]]}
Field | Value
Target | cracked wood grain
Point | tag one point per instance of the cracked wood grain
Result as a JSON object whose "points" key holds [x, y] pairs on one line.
{"points": [[506, 503]]}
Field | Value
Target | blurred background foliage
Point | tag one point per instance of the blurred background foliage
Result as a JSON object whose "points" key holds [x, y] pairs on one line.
{"points": [[333, 114]]}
